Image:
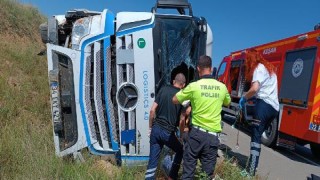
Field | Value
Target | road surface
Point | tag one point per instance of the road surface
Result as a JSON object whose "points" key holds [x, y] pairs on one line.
{"points": [[275, 164]]}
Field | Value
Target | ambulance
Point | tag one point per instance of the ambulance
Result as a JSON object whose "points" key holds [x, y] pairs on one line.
{"points": [[297, 63]]}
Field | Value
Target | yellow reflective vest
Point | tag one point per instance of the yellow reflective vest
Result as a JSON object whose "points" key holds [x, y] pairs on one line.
{"points": [[207, 96]]}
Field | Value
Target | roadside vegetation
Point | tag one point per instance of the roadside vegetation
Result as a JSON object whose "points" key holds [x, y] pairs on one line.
{"points": [[26, 148]]}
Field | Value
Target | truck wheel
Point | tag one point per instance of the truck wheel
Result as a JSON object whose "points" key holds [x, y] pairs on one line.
{"points": [[315, 149], [269, 136]]}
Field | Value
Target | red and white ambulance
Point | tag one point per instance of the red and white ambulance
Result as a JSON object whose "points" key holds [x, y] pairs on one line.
{"points": [[297, 62]]}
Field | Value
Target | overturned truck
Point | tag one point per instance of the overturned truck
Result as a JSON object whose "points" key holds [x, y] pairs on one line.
{"points": [[105, 70]]}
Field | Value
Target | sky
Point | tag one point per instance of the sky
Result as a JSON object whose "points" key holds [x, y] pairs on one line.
{"points": [[236, 24]]}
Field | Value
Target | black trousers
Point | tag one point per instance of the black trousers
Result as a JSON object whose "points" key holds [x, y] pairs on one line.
{"points": [[199, 145]]}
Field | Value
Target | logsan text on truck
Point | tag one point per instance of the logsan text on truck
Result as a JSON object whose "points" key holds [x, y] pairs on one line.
{"points": [[297, 63], [105, 70]]}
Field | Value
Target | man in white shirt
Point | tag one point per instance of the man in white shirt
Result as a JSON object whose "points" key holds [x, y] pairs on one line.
{"points": [[264, 86]]}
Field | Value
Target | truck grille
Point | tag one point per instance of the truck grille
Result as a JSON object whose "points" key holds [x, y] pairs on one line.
{"points": [[89, 101], [100, 111], [127, 117], [98, 100], [110, 104]]}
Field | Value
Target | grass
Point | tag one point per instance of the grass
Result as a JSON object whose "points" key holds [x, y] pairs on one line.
{"points": [[228, 170], [26, 148], [19, 20]]}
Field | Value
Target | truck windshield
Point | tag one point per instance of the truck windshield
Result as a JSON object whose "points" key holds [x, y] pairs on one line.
{"points": [[179, 42]]}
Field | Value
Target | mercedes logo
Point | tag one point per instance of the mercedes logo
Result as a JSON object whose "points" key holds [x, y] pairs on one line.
{"points": [[127, 97]]}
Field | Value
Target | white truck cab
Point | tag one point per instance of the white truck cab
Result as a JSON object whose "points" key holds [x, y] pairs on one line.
{"points": [[105, 70]]}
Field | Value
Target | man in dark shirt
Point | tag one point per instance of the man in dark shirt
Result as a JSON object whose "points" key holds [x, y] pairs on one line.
{"points": [[163, 121]]}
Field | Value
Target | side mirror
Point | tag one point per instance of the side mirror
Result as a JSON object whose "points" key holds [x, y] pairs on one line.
{"points": [[214, 72], [317, 26]]}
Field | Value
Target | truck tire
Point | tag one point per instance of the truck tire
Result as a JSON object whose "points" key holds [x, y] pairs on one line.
{"points": [[269, 136], [315, 149], [44, 32]]}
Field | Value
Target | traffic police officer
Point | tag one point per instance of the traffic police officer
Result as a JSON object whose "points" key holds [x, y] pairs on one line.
{"points": [[207, 96]]}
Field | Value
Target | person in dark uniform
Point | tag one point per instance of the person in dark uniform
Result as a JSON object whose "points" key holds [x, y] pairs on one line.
{"points": [[207, 96], [163, 121]]}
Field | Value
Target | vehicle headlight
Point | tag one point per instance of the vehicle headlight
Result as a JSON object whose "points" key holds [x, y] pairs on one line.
{"points": [[81, 28]]}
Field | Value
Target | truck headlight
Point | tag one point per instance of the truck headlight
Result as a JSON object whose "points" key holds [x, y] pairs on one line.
{"points": [[80, 29]]}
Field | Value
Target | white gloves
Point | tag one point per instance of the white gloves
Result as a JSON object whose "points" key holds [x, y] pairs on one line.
{"points": [[185, 103]]}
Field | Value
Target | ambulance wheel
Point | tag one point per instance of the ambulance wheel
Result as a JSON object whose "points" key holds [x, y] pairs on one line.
{"points": [[269, 136], [315, 149]]}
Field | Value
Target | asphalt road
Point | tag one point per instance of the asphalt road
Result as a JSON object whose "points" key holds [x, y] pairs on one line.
{"points": [[275, 164]]}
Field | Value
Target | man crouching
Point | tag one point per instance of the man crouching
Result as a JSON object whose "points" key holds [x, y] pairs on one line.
{"points": [[163, 122]]}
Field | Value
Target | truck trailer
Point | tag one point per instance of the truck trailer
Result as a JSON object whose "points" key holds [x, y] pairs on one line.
{"points": [[105, 71], [297, 63]]}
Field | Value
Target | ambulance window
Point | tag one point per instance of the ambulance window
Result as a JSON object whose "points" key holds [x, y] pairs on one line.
{"points": [[222, 69], [235, 78], [234, 74]]}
